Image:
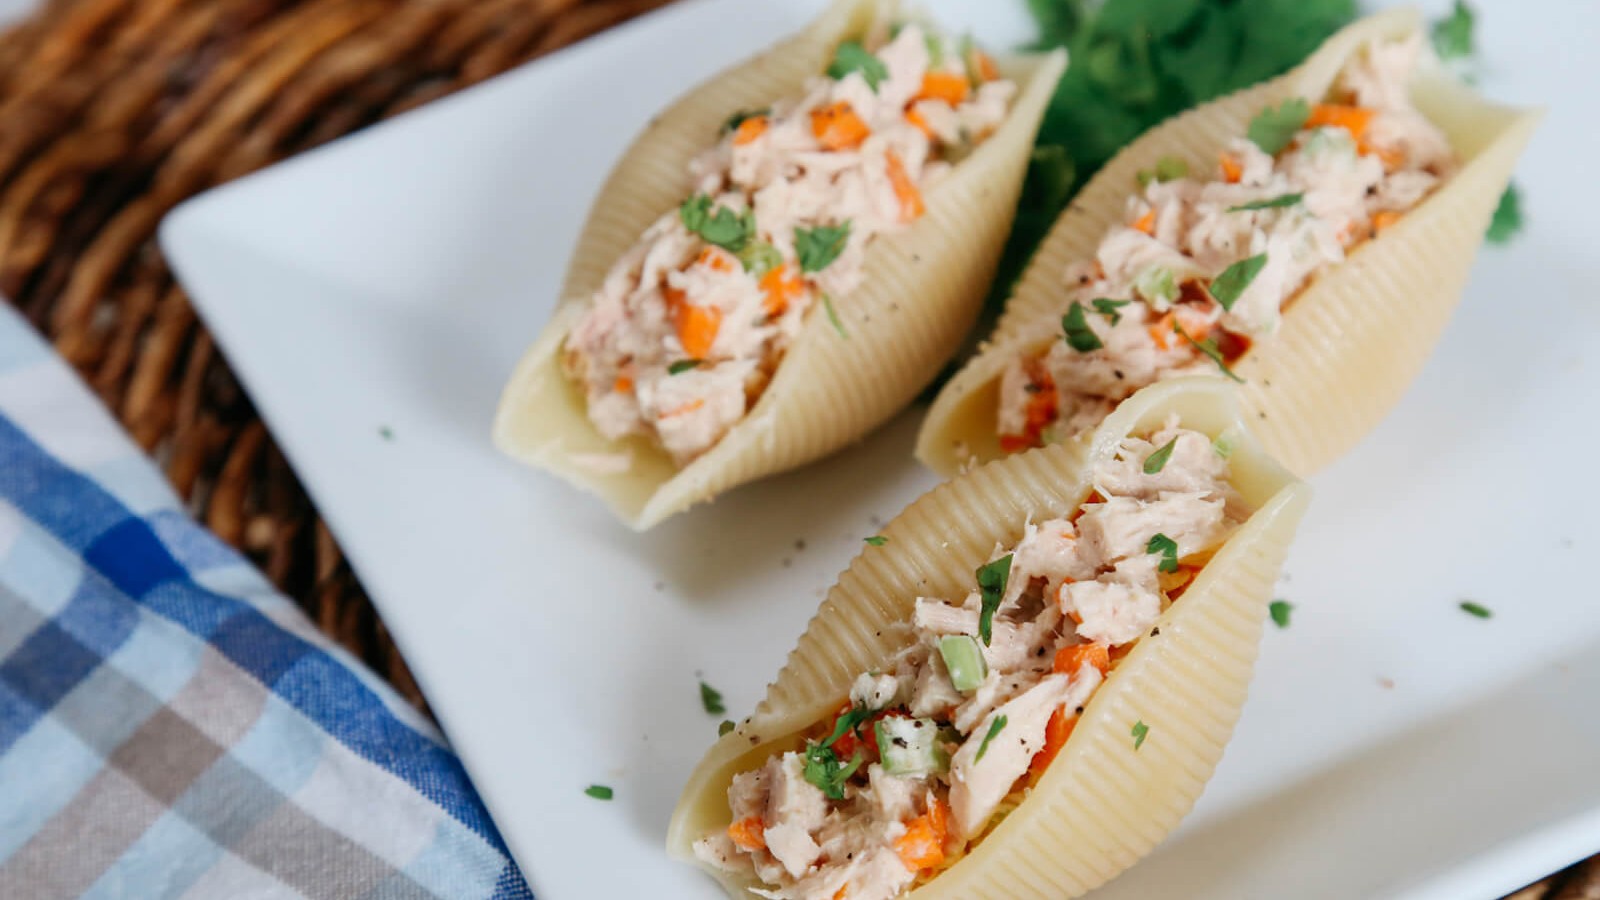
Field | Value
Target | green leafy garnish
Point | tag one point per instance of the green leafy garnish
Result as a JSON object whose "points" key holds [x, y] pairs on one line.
{"points": [[1078, 334], [1275, 126], [833, 316], [992, 578], [823, 771], [1507, 218], [1140, 730], [1209, 348], [724, 228], [847, 722], [725, 726], [1452, 35], [935, 50], [852, 57], [1476, 609], [1274, 203], [759, 258], [682, 366], [877, 540], [1108, 308], [1157, 461], [1231, 284], [1167, 548], [386, 432], [1167, 168], [734, 121], [1157, 283], [711, 699], [818, 247], [995, 727], [598, 791], [1279, 610]]}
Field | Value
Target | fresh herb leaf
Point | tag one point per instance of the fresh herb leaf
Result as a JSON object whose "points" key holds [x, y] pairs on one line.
{"points": [[386, 433], [1452, 35], [1235, 279], [818, 247], [725, 726], [877, 540], [1209, 348], [852, 57], [1078, 334], [759, 258], [833, 316], [1157, 461], [724, 228], [1140, 731], [1274, 203], [682, 366], [935, 46], [1167, 547], [598, 791], [711, 699], [1476, 609], [992, 578], [734, 121], [1507, 218], [1167, 168], [1275, 126], [848, 722], [995, 727], [823, 771], [1108, 308], [1279, 610]]}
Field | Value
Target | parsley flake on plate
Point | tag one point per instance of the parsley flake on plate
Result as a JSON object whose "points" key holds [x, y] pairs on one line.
{"points": [[1452, 35], [725, 726], [1279, 610], [598, 791], [1507, 218], [711, 699], [1476, 609]]}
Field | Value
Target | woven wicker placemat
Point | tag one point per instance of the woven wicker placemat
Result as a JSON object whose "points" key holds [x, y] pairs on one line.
{"points": [[114, 111]]}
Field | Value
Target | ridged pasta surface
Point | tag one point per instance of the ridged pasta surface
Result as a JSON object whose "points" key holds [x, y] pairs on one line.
{"points": [[1350, 342], [922, 289], [1102, 804]]}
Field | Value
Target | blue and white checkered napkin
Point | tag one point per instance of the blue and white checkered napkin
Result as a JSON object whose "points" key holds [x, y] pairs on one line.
{"points": [[171, 727]]}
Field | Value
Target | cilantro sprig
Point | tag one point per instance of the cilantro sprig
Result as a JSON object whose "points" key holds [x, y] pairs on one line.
{"points": [[824, 771], [818, 247], [1452, 35], [723, 227], [1275, 126], [852, 57]]}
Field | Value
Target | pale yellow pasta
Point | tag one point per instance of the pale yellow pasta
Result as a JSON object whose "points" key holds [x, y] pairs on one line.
{"points": [[1350, 342], [922, 290], [1103, 803]]}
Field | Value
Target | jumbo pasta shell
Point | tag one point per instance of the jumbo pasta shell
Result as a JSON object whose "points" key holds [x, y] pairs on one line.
{"points": [[922, 291], [1350, 342], [1102, 803]]}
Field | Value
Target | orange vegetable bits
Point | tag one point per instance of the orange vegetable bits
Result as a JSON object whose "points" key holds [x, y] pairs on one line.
{"points": [[920, 123], [697, 328], [837, 127], [1070, 659], [1232, 170], [1056, 732], [623, 385], [684, 410], [1165, 329], [945, 86], [778, 289], [716, 259], [982, 65], [1383, 219], [750, 129], [922, 846], [1146, 223], [905, 190], [1353, 119], [748, 834]]}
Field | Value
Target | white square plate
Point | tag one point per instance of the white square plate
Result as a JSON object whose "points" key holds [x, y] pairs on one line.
{"points": [[1393, 746]]}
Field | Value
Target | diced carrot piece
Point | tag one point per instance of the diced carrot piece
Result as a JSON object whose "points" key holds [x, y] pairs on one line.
{"points": [[778, 289], [1016, 443], [1232, 171], [685, 409], [1165, 334], [623, 385], [837, 127], [1353, 119], [987, 70], [1070, 659], [842, 892], [922, 846], [945, 86], [674, 297], [1384, 219], [905, 190], [1056, 732], [1146, 223], [749, 130], [716, 259], [697, 328], [1391, 158], [915, 118], [748, 834]]}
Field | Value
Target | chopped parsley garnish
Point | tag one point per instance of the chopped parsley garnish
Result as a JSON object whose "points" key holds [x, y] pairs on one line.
{"points": [[711, 699], [935, 50], [1452, 35], [598, 791], [739, 118], [1279, 610], [1108, 308], [386, 433], [1167, 168], [848, 722], [759, 258], [997, 726], [818, 247], [833, 316], [1228, 287], [1507, 218], [877, 540], [1476, 609], [1140, 731], [1209, 348], [1079, 335], [725, 726], [724, 228], [1157, 461], [992, 578], [1274, 127], [822, 769], [1275, 203], [682, 366], [852, 57], [1167, 547]]}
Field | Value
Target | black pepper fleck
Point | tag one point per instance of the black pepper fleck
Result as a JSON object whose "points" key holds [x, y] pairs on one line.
{"points": [[1118, 373]]}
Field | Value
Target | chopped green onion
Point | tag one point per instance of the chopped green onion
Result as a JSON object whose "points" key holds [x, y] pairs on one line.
{"points": [[995, 728], [1157, 460], [963, 659], [992, 579]]}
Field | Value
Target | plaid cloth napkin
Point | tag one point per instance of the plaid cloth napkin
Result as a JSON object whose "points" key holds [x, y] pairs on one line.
{"points": [[171, 727]]}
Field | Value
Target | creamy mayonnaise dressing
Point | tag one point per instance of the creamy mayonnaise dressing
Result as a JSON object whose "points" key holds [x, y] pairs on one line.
{"points": [[963, 736]]}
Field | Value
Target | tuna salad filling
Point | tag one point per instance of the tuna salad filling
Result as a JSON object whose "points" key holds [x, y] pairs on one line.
{"points": [[1205, 265], [690, 324], [936, 746]]}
